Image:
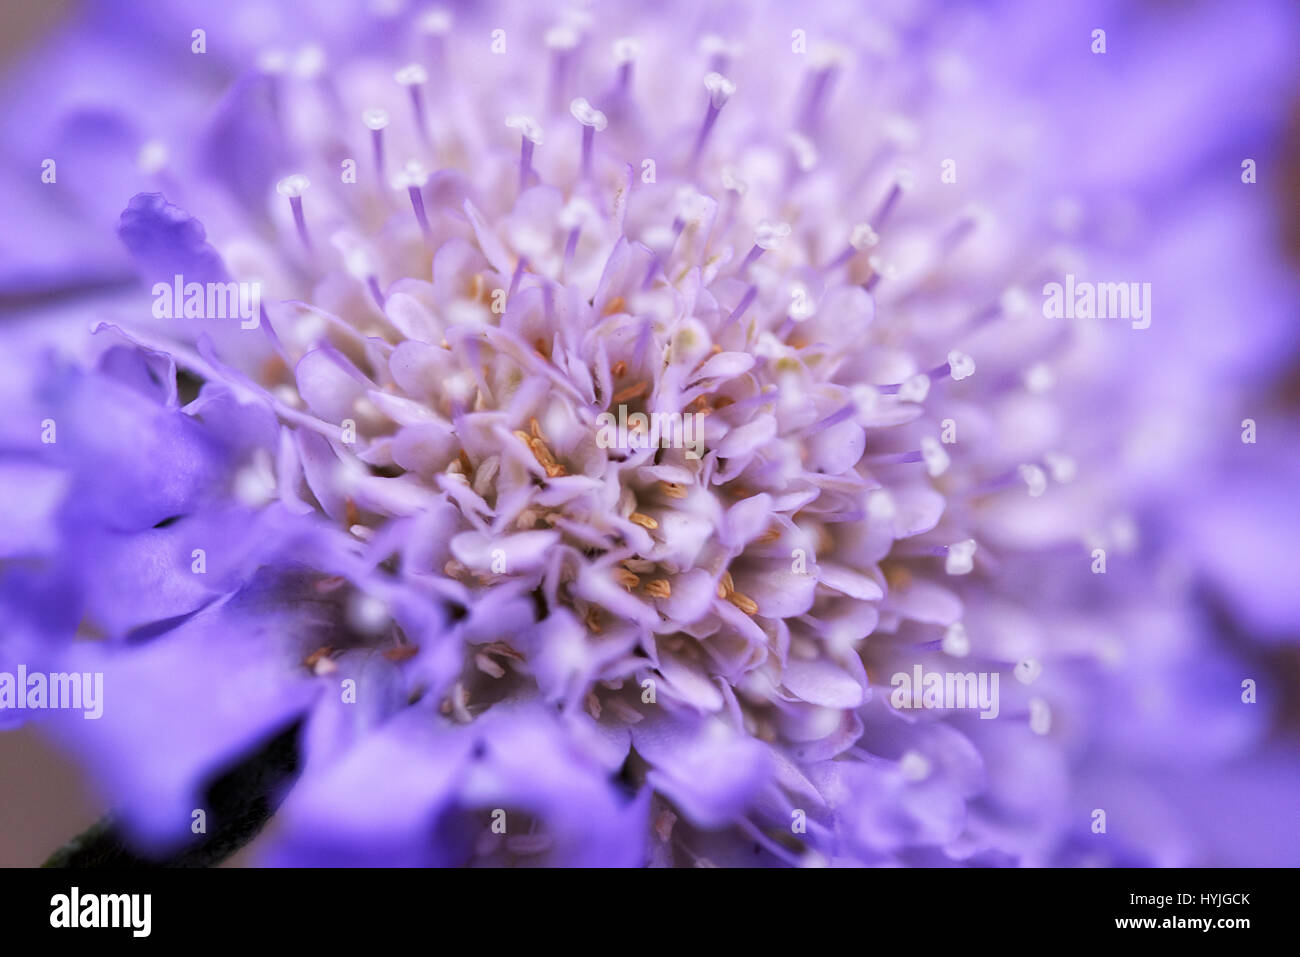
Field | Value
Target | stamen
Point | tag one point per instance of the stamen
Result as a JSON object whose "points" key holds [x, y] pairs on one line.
{"points": [[376, 119], [514, 279], [1040, 716], [804, 153], [273, 64], [970, 220], [293, 187], [880, 269], [413, 179], [935, 457], [745, 302], [152, 157], [360, 265], [435, 25], [645, 521], [914, 388], [914, 766], [152, 160], [1014, 303], [631, 392], [530, 136], [743, 602], [309, 66], [561, 40], [961, 557], [570, 247], [835, 418], [1035, 478], [719, 52], [488, 666], [825, 67], [1062, 467], [413, 77], [720, 91], [862, 238], [955, 640], [903, 182], [959, 366], [593, 121], [690, 210], [770, 236], [626, 50], [896, 458]]}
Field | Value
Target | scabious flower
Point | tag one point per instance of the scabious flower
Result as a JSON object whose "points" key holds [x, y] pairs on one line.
{"points": [[377, 507]]}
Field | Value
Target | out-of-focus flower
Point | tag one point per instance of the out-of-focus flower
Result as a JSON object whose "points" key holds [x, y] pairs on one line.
{"points": [[798, 262]]}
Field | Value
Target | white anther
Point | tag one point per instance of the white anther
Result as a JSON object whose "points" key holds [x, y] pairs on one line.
{"points": [[961, 558], [587, 115], [770, 235], [152, 157], [960, 365], [713, 45], [955, 640], [412, 75], [901, 131], [561, 37], [880, 505], [1014, 302], [412, 174], [1124, 533], [1061, 466], [1035, 478], [915, 388], [273, 60], [733, 182], [359, 263], [1027, 670], [255, 482], [626, 49], [528, 127], [1039, 378], [882, 267], [915, 766], [1040, 716], [435, 22], [293, 185], [376, 118], [805, 153], [863, 237], [720, 89], [367, 614], [934, 456], [310, 62], [825, 55], [691, 204], [576, 212]]}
